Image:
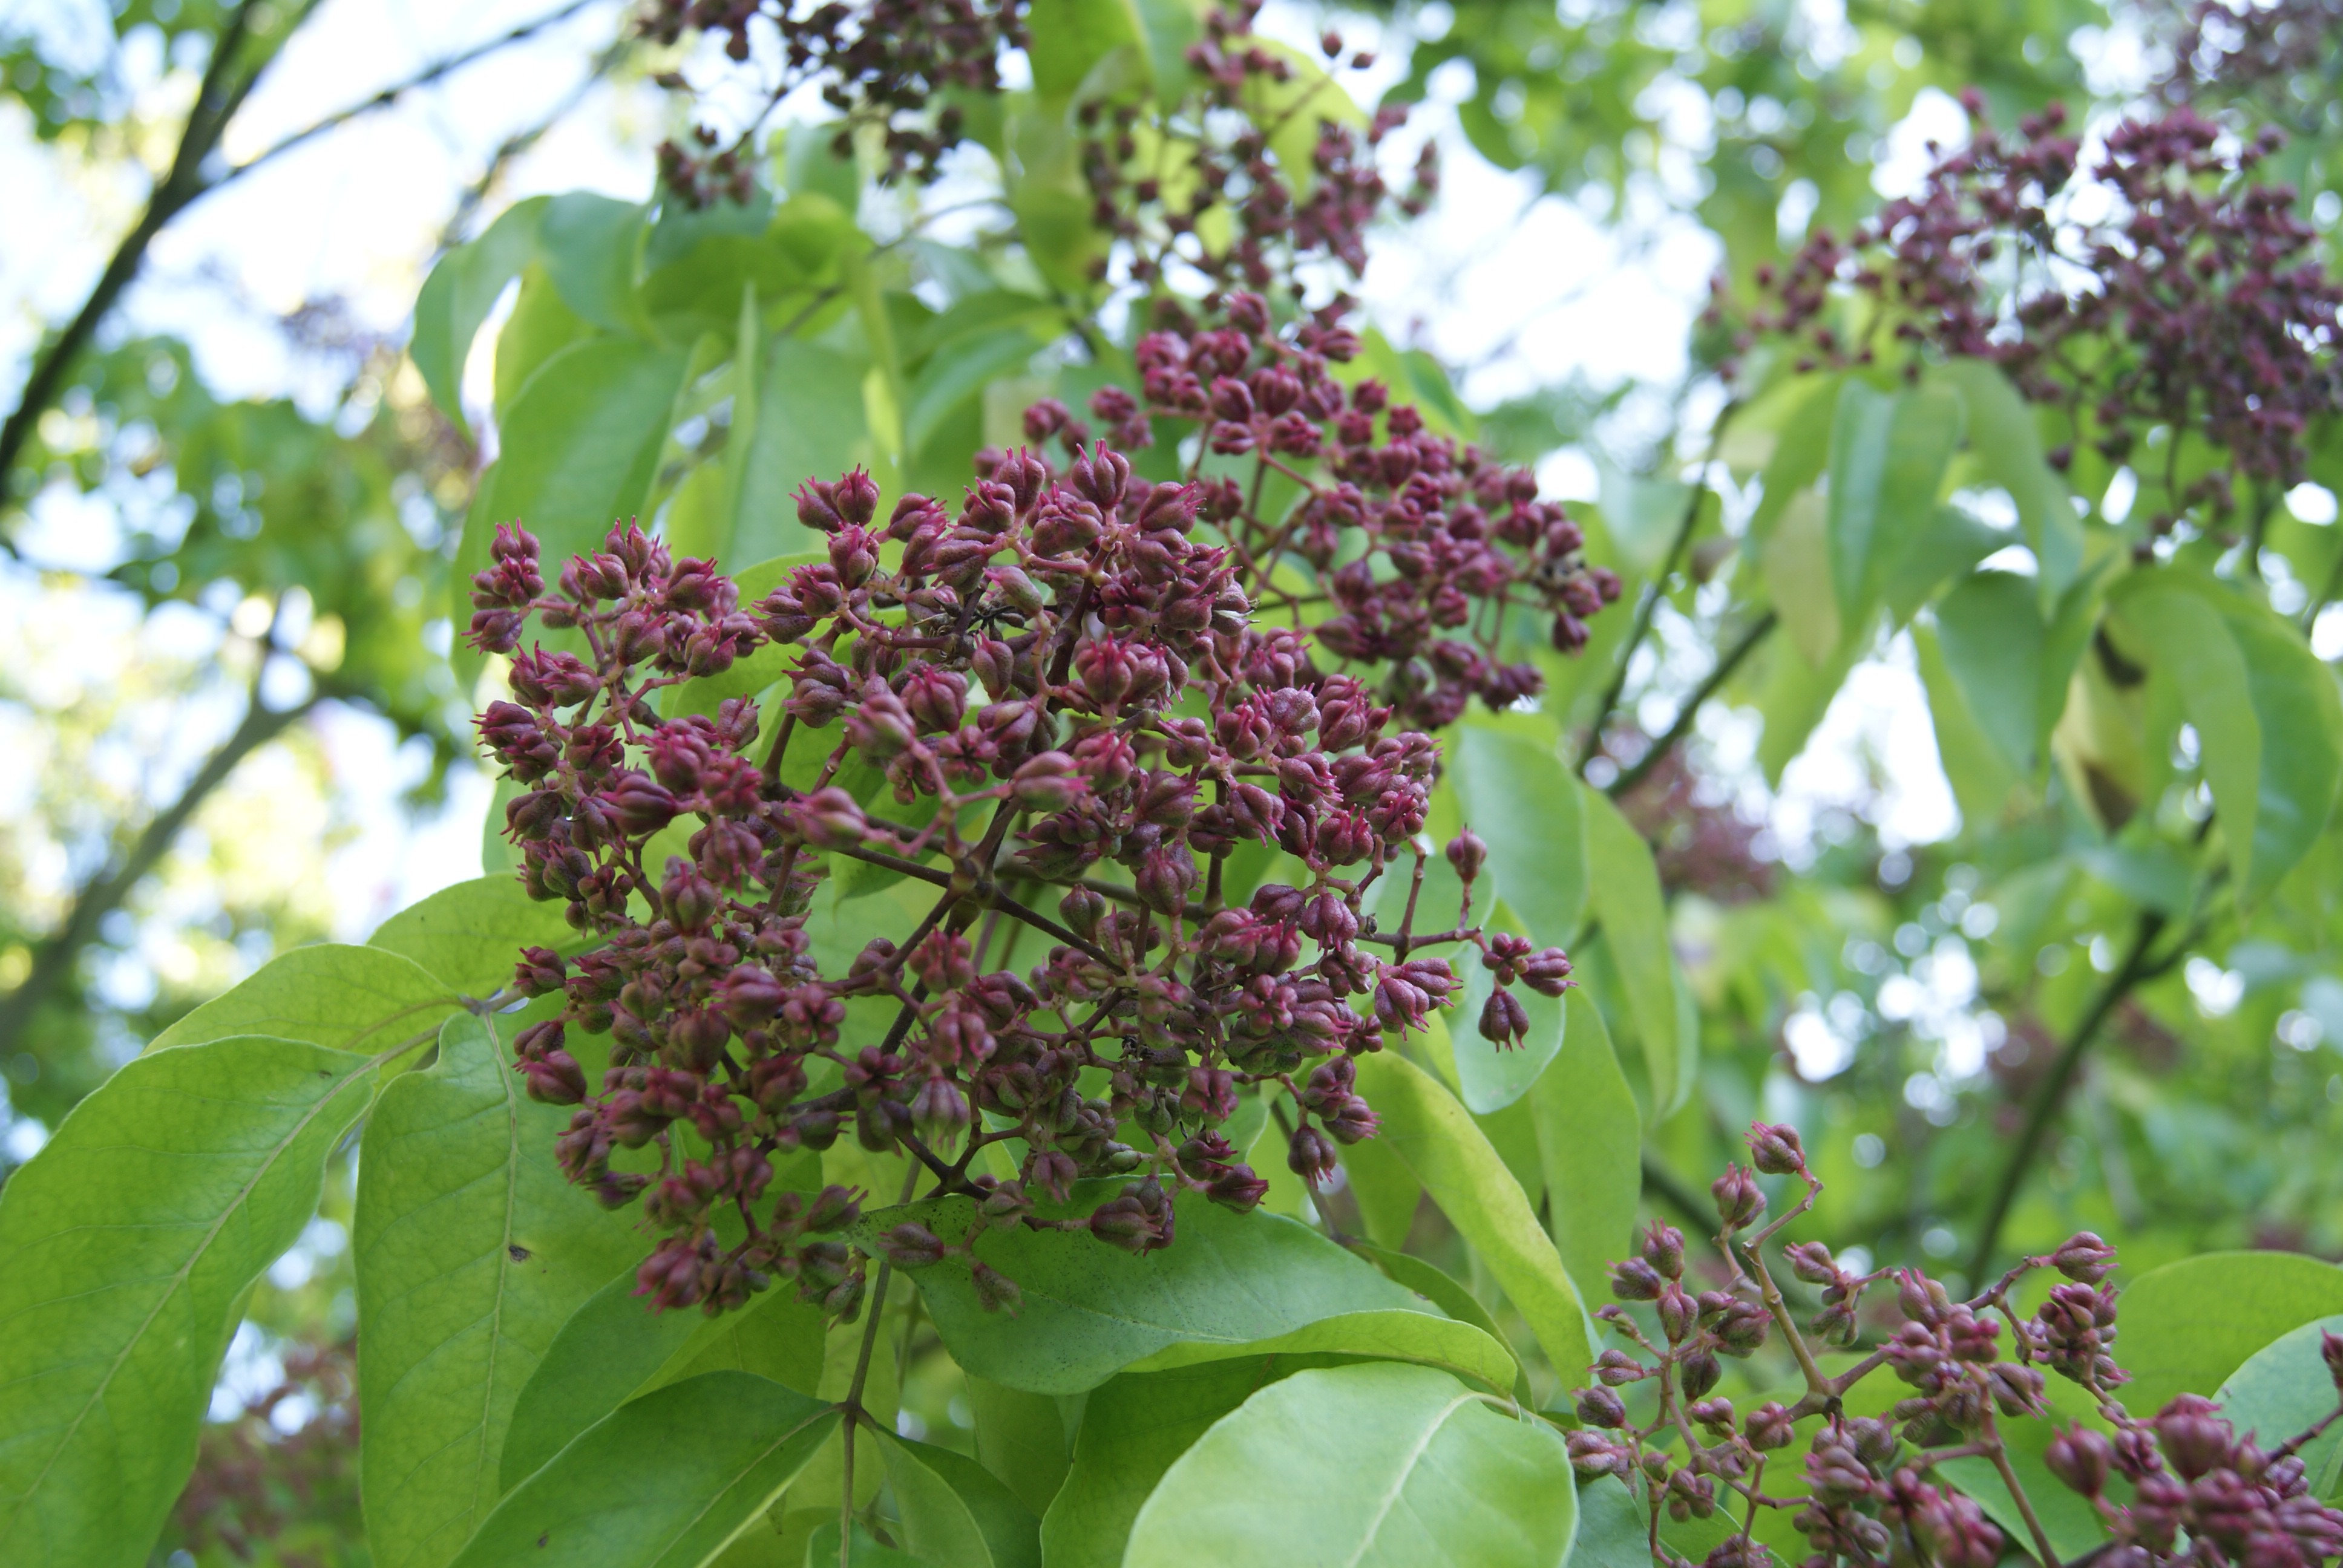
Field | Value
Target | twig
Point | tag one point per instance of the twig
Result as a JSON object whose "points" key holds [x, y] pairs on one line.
{"points": [[2134, 969], [1648, 607], [52, 960], [852, 1403], [1658, 750], [185, 184]]}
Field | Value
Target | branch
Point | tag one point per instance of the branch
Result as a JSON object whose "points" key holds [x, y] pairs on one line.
{"points": [[2134, 968], [396, 90], [1658, 750], [184, 185], [53, 960], [1648, 607]]}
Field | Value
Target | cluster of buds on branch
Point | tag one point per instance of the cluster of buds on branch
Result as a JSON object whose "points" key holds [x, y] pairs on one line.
{"points": [[1080, 715], [1874, 1490], [896, 64], [2199, 311], [1218, 188]]}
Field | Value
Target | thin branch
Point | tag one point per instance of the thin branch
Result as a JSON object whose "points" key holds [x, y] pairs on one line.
{"points": [[1658, 750], [2134, 968], [54, 958], [185, 184], [397, 90], [1648, 607]]}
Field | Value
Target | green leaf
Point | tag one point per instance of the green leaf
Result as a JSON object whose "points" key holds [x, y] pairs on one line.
{"points": [[591, 245], [539, 326], [1435, 1137], [953, 1511], [1991, 633], [1423, 1473], [1132, 1430], [1091, 1310], [576, 453], [821, 1549], [2199, 641], [472, 1250], [456, 298], [957, 372], [1071, 36], [1862, 431], [1590, 1138], [665, 1482], [1517, 796], [2281, 1392], [810, 425], [1614, 1530], [1799, 452], [468, 936], [126, 1247], [1973, 764], [1020, 1437], [349, 997], [2301, 717], [1797, 566], [1950, 545], [2188, 1325], [1871, 532], [613, 1347], [2008, 444], [1627, 899], [1388, 1333], [1386, 1189]]}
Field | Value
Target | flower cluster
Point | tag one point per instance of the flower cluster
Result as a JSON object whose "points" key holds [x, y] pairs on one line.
{"points": [[1213, 187], [2200, 308], [894, 62], [1056, 707], [1424, 546], [1875, 1491]]}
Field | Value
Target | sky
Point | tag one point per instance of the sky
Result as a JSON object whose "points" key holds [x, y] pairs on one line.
{"points": [[1520, 289]]}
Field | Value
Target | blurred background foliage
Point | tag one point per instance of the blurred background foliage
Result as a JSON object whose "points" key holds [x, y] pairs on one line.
{"points": [[227, 656]]}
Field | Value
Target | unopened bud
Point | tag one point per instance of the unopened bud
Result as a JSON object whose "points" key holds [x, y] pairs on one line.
{"points": [[1600, 1407], [1467, 854], [2079, 1458], [1775, 1149], [2085, 1258], [1738, 1198]]}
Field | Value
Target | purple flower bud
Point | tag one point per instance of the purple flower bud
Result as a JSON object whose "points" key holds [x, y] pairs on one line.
{"points": [[1775, 1149], [540, 971], [995, 1291], [1051, 781], [1634, 1280], [1812, 1261], [1769, 1427], [1598, 1406], [1664, 1249], [1467, 854], [2085, 1258], [1310, 1154], [909, 1246], [1503, 1020], [1547, 971], [1738, 1200]]}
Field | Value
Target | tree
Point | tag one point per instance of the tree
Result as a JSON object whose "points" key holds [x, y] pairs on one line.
{"points": [[338, 518], [1243, 733]]}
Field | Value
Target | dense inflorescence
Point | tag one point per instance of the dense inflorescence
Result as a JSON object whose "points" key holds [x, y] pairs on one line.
{"points": [[2199, 308], [1077, 704], [1874, 1490], [897, 64], [1257, 175]]}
